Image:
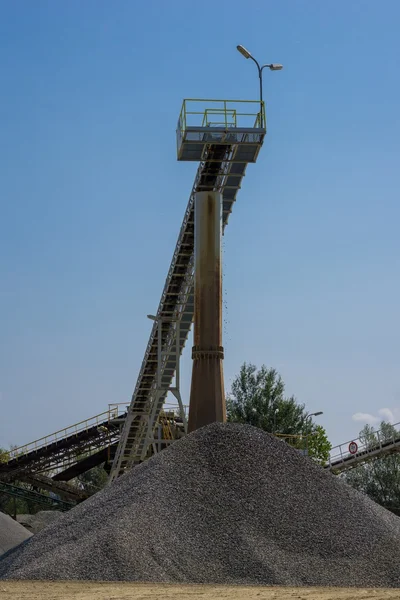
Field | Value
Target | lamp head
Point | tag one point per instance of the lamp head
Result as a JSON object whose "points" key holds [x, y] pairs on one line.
{"points": [[243, 51], [275, 67]]}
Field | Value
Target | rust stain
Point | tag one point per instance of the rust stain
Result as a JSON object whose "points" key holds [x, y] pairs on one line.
{"points": [[207, 396]]}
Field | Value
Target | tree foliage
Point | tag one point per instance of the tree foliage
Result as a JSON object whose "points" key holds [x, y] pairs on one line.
{"points": [[93, 480], [318, 444], [379, 478], [257, 397], [4, 455]]}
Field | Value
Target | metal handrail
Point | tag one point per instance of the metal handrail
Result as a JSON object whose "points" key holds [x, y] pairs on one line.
{"points": [[75, 429], [225, 109], [292, 435], [340, 453]]}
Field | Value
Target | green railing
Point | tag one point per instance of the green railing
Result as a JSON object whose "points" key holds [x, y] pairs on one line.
{"points": [[35, 497], [221, 113]]}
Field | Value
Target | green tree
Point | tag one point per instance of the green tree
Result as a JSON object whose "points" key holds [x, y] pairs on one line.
{"points": [[4, 455], [91, 481], [379, 478], [318, 444], [257, 397]]}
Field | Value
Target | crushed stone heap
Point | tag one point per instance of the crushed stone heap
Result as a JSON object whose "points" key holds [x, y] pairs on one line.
{"points": [[226, 504], [11, 533], [39, 520]]}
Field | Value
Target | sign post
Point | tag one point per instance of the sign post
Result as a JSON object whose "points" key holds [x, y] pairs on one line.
{"points": [[353, 447]]}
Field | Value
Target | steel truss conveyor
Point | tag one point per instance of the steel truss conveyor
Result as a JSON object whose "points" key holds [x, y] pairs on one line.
{"points": [[381, 443], [224, 136], [34, 497], [63, 448]]}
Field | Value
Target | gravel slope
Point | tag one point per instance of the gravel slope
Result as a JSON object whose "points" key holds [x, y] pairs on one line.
{"points": [[11, 533], [226, 504], [39, 520]]}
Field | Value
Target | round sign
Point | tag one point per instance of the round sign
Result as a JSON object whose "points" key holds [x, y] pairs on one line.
{"points": [[353, 447]]}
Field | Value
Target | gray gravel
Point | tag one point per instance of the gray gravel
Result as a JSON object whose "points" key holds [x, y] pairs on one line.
{"points": [[38, 521], [226, 504], [11, 533]]}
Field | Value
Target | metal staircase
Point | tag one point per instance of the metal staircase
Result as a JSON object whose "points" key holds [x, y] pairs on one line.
{"points": [[224, 136]]}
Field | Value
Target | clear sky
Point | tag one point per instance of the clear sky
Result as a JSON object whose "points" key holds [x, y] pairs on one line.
{"points": [[92, 199]]}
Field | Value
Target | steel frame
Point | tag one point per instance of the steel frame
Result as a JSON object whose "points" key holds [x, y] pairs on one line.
{"points": [[222, 168], [341, 459], [35, 497], [54, 452]]}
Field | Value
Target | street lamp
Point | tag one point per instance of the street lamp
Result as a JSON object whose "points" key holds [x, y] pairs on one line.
{"points": [[271, 67], [275, 413], [315, 414]]}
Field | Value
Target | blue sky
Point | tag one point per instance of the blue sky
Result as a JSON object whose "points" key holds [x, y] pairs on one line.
{"points": [[92, 198]]}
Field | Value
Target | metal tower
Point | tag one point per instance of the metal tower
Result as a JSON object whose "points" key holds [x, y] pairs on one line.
{"points": [[224, 136]]}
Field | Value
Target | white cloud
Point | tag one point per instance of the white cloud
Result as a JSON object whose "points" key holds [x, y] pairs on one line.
{"points": [[387, 415], [390, 415], [365, 418]]}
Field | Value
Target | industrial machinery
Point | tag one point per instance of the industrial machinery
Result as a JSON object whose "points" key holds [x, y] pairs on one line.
{"points": [[51, 463], [358, 451], [223, 136]]}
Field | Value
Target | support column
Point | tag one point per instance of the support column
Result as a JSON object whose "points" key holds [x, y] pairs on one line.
{"points": [[207, 394]]}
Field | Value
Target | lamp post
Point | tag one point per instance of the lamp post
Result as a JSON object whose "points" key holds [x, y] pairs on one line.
{"points": [[271, 67], [275, 413], [315, 414]]}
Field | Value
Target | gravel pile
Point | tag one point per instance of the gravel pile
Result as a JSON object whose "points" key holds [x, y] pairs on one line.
{"points": [[226, 504], [39, 521], [11, 533]]}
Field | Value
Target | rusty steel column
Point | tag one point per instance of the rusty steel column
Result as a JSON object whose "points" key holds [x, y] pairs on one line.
{"points": [[207, 394]]}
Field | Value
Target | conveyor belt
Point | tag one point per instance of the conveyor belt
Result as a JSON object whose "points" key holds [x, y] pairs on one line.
{"points": [[222, 168]]}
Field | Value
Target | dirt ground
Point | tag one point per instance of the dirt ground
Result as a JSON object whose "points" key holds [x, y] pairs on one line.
{"points": [[23, 590]]}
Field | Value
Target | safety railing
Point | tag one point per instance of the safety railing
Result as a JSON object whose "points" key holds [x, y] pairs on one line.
{"points": [[113, 412], [167, 419], [35, 497], [293, 437], [360, 449], [297, 441], [220, 113], [219, 117], [174, 408]]}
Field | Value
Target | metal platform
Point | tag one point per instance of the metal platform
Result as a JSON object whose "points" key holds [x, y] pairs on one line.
{"points": [[223, 122], [224, 136]]}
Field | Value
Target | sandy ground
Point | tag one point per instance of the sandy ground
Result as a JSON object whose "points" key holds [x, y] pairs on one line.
{"points": [[22, 590]]}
